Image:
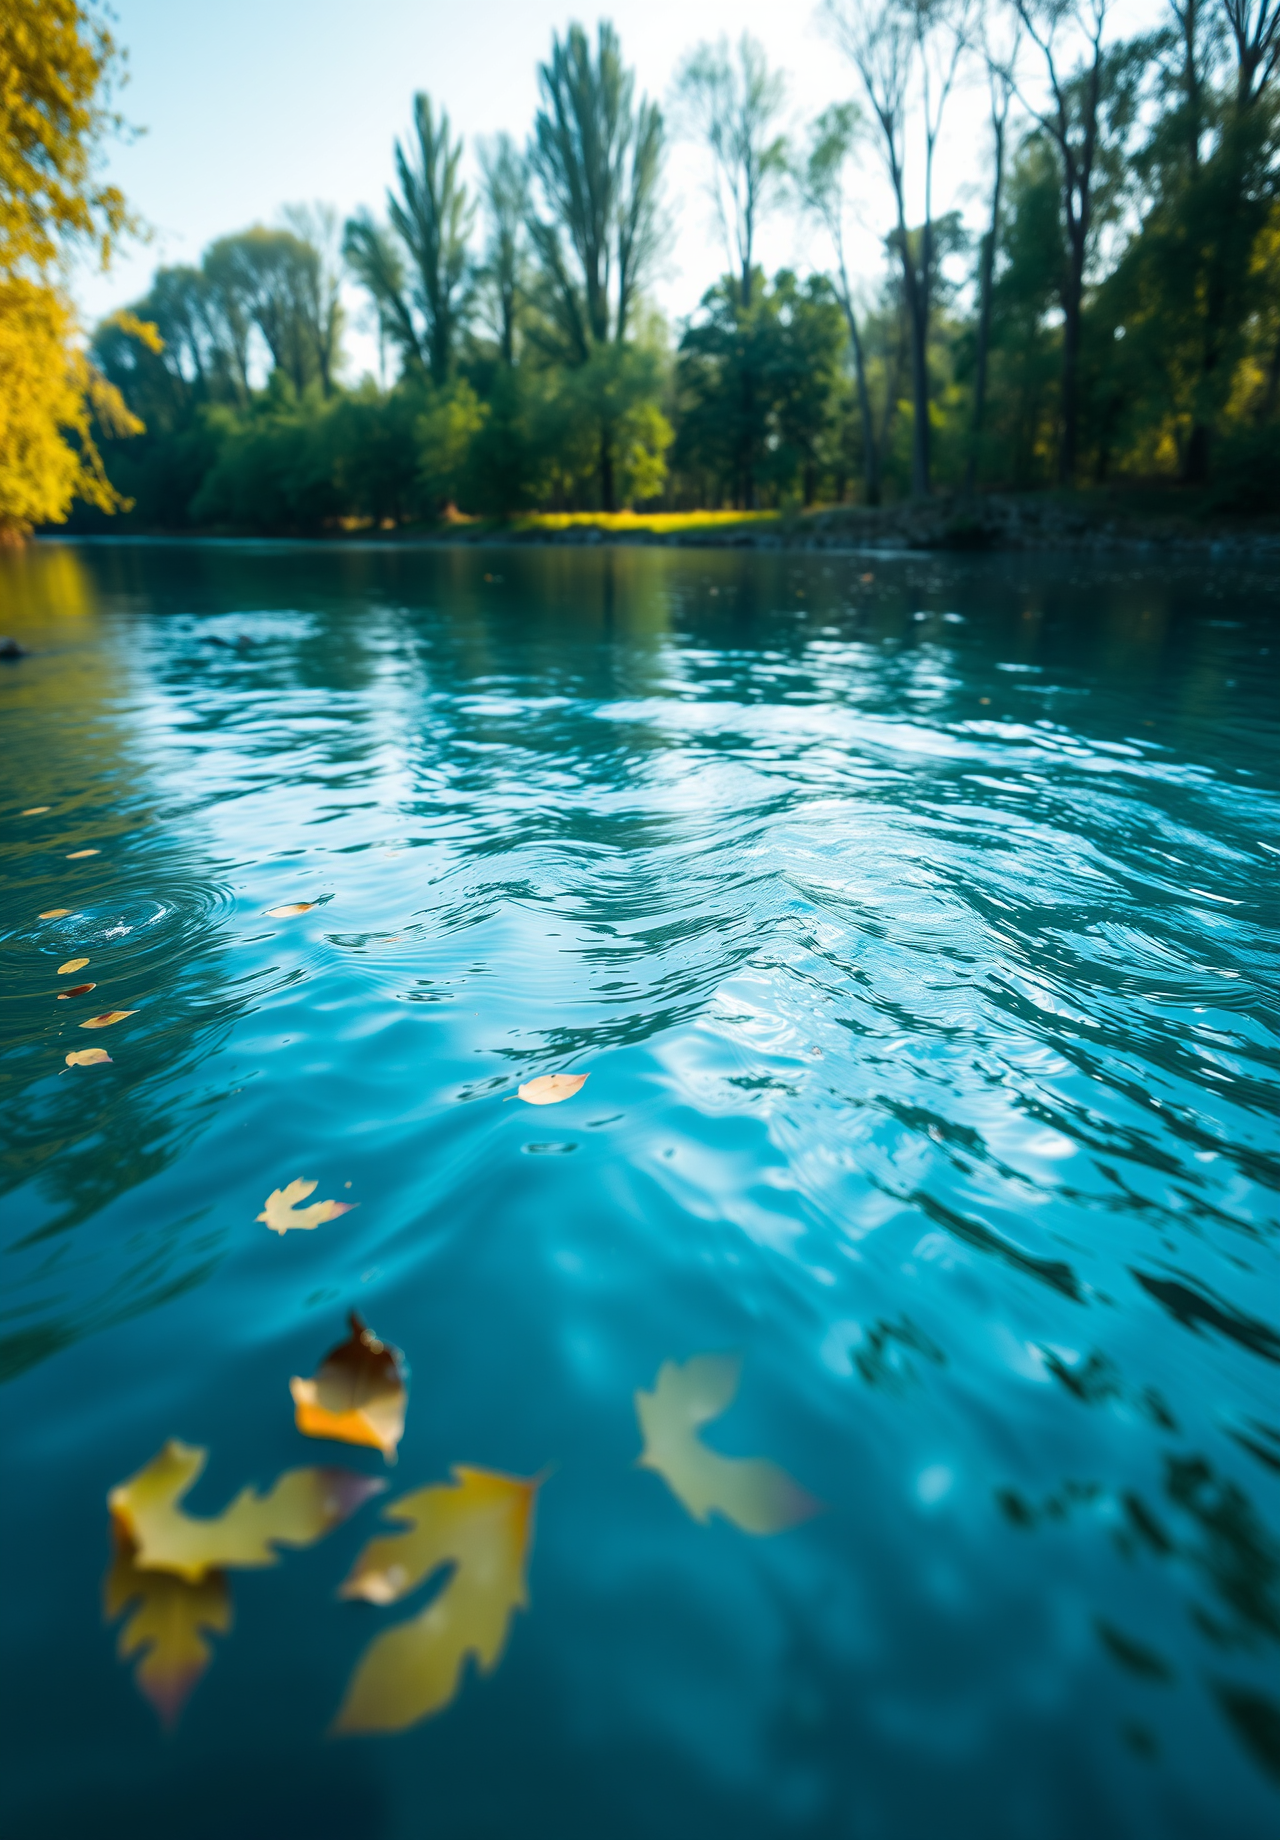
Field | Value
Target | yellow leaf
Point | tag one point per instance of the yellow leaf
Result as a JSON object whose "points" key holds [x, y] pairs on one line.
{"points": [[79, 990], [292, 907], [33, 811], [357, 1395], [107, 1017], [551, 1088], [55, 913], [88, 1057], [72, 964], [280, 1210], [749, 1491], [482, 1522], [299, 1508], [79, 855], [166, 1627]]}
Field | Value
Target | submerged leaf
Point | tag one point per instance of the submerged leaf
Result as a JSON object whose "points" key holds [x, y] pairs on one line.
{"points": [[299, 1508], [483, 1523], [749, 1491], [88, 1057], [33, 811], [78, 990], [357, 1395], [291, 907], [280, 1210], [107, 1017], [72, 964], [551, 1088], [55, 913], [79, 855], [167, 1627]]}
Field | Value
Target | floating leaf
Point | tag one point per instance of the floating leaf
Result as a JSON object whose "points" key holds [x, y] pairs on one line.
{"points": [[107, 1017], [749, 1491], [280, 1210], [33, 811], [292, 907], [78, 990], [357, 1396], [79, 855], [88, 1057], [299, 1508], [551, 1088], [482, 1522], [55, 913], [167, 1626], [72, 964]]}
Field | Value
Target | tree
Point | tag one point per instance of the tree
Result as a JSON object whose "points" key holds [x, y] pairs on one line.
{"points": [[907, 52], [596, 161], [319, 298], [999, 59], [732, 104], [822, 187], [502, 272], [57, 65], [417, 272]]}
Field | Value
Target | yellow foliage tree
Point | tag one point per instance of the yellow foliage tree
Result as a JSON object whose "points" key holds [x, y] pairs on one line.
{"points": [[57, 63]]}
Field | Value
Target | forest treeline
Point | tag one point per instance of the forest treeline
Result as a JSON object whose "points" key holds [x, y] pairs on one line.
{"points": [[1118, 317]]}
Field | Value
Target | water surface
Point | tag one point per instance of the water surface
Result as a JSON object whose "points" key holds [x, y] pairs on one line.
{"points": [[916, 923]]}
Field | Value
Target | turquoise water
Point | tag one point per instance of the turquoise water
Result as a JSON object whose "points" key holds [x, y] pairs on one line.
{"points": [[916, 923]]}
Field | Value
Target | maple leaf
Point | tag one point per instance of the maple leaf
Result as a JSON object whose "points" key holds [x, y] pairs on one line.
{"points": [[166, 1627], [357, 1395], [107, 1017], [749, 1491], [482, 1523], [88, 1057], [280, 1210], [300, 1507], [551, 1088]]}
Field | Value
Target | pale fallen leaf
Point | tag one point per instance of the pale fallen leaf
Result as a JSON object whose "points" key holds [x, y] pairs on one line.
{"points": [[55, 913], [107, 1017], [749, 1491], [79, 855], [78, 990], [72, 964], [300, 1507], [482, 1522], [88, 1057], [551, 1088], [357, 1395], [167, 1626], [292, 907], [280, 1210], [33, 811]]}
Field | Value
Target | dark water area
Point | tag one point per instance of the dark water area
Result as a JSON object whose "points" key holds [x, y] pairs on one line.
{"points": [[916, 922]]}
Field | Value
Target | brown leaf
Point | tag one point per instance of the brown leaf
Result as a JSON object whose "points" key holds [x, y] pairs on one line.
{"points": [[88, 1057], [551, 1088], [357, 1394], [299, 1509], [291, 907], [72, 964], [78, 990], [55, 913], [107, 1017], [280, 1210], [79, 855], [483, 1522], [167, 1626]]}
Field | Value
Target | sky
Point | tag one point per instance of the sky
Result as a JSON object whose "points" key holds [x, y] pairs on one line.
{"points": [[249, 105]]}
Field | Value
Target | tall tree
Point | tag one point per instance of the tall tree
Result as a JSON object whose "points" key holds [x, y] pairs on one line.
{"points": [[999, 55], [319, 299], [506, 205], [907, 54], [732, 102], [596, 223], [417, 273], [822, 184]]}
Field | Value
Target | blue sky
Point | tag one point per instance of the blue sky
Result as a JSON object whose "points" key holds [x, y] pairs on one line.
{"points": [[249, 105]]}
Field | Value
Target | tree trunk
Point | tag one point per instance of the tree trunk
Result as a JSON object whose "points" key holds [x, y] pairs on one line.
{"points": [[870, 448], [1071, 363], [919, 404], [606, 467], [986, 276]]}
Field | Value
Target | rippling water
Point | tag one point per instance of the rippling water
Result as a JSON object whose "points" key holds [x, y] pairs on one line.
{"points": [[916, 923]]}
